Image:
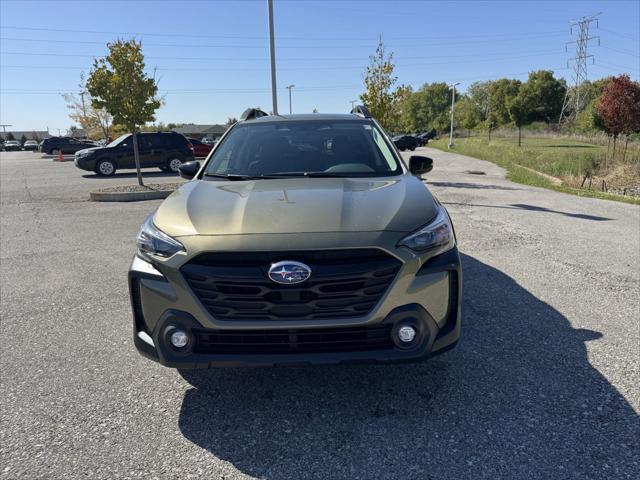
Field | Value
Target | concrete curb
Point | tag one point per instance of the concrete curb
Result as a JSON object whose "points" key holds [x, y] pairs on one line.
{"points": [[129, 196]]}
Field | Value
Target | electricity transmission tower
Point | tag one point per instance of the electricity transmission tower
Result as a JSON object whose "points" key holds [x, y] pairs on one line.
{"points": [[573, 101]]}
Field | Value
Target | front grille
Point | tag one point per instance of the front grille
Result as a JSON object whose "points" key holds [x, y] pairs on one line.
{"points": [[318, 340], [343, 283]]}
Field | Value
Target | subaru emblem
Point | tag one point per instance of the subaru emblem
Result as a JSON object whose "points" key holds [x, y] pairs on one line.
{"points": [[289, 272]]}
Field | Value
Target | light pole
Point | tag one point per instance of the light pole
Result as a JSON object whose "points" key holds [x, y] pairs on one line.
{"points": [[353, 104], [453, 101], [272, 49], [4, 130], [289, 87]]}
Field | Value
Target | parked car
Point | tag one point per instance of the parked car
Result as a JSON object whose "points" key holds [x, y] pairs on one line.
{"points": [[164, 150], [30, 145], [406, 142], [12, 146], [200, 149], [54, 145], [424, 138], [302, 239], [209, 141]]}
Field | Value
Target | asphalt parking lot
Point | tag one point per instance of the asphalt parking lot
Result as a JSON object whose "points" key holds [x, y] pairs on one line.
{"points": [[544, 383]]}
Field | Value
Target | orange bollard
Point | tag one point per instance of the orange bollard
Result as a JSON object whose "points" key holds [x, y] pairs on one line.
{"points": [[60, 156]]}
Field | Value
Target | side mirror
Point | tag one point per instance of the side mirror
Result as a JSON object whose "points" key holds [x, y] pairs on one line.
{"points": [[188, 170], [420, 165]]}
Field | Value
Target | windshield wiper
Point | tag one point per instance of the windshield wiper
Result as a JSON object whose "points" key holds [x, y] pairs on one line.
{"points": [[236, 176]]}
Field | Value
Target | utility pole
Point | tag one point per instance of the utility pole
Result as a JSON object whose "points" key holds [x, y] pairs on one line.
{"points": [[353, 104], [272, 49], [84, 108], [453, 102], [574, 96], [289, 87], [4, 130]]}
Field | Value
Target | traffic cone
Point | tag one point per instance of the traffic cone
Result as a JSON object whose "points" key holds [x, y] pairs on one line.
{"points": [[60, 157]]}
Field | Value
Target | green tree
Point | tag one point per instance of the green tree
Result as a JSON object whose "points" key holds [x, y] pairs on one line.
{"points": [[501, 92], [23, 139], [546, 95], [10, 136], [589, 120], [427, 108], [467, 115], [480, 95], [119, 84], [520, 109], [380, 96], [398, 123]]}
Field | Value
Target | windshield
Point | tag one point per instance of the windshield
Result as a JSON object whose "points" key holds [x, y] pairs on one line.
{"points": [[331, 148], [118, 140]]}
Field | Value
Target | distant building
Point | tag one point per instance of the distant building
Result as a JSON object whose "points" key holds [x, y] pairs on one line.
{"points": [[200, 131], [30, 135]]}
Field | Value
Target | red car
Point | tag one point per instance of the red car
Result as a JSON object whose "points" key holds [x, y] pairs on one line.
{"points": [[200, 149]]}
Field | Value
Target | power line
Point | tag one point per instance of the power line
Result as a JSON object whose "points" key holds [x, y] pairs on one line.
{"points": [[624, 52], [622, 35], [298, 46], [294, 69], [262, 37], [350, 59]]}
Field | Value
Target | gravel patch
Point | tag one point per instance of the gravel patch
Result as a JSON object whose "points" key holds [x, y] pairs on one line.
{"points": [[151, 187]]}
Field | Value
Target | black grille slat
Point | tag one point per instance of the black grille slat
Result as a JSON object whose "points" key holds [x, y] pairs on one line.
{"points": [[343, 283], [293, 341]]}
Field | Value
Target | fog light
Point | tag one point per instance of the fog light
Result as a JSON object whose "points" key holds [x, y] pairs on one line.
{"points": [[179, 338], [406, 334]]}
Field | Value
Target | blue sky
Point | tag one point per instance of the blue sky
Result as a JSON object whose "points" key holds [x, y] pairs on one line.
{"points": [[212, 57]]}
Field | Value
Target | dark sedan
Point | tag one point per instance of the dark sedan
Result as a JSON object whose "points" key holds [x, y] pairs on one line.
{"points": [[406, 142]]}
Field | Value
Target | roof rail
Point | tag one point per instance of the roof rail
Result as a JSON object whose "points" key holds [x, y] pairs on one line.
{"points": [[252, 113], [361, 110]]}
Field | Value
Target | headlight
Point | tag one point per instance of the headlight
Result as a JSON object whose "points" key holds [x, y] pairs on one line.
{"points": [[152, 241], [437, 235]]}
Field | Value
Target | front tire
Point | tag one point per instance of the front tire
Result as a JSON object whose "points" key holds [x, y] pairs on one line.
{"points": [[173, 164], [106, 168]]}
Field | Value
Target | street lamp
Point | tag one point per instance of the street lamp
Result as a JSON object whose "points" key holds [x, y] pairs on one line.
{"points": [[272, 50], [453, 101], [353, 104], [289, 87]]}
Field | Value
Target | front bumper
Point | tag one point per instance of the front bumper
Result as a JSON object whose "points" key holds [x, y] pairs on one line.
{"points": [[84, 163], [430, 302]]}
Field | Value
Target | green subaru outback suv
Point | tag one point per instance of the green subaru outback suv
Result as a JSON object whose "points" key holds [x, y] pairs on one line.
{"points": [[301, 239]]}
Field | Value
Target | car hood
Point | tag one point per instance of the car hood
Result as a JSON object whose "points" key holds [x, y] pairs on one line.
{"points": [[89, 150], [296, 205]]}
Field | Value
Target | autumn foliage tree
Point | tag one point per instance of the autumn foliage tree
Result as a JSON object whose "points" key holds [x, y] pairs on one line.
{"points": [[619, 107], [380, 96]]}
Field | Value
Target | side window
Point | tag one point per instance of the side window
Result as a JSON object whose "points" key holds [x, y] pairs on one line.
{"points": [[154, 140], [144, 141]]}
